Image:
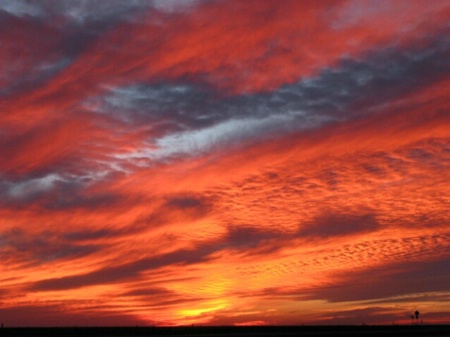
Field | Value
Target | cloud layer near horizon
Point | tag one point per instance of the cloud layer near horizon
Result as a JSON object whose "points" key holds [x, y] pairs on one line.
{"points": [[224, 162]]}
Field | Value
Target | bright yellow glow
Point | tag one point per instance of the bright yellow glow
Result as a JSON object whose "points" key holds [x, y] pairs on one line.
{"points": [[204, 308]]}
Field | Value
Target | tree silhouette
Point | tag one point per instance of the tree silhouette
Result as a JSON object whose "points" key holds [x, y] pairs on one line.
{"points": [[417, 316]]}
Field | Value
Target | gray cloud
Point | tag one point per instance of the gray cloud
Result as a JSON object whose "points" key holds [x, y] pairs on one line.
{"points": [[127, 271], [160, 297], [248, 237], [187, 201], [329, 225], [88, 235], [185, 118], [53, 192], [47, 43], [38, 49], [43, 247], [62, 316], [370, 315], [149, 292], [89, 10], [418, 298], [403, 278], [191, 117]]}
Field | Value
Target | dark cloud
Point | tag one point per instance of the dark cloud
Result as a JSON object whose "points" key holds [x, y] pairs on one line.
{"points": [[52, 192], [336, 94], [93, 10], [51, 36], [186, 106], [245, 237], [160, 297], [403, 278], [56, 43], [65, 200], [149, 292], [42, 247], [63, 316], [45, 50], [88, 235], [369, 315], [38, 49], [427, 297], [175, 207], [127, 271], [187, 201], [330, 225], [379, 315]]}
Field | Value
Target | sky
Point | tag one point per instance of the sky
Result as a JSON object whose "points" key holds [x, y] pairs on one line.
{"points": [[224, 162]]}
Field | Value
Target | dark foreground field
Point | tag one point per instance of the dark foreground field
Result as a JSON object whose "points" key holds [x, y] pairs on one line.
{"points": [[231, 331], [306, 331]]}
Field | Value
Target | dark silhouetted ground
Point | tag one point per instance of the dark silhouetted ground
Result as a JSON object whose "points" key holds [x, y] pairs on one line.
{"points": [[306, 331]]}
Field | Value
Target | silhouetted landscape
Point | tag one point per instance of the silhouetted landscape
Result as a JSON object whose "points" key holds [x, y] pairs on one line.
{"points": [[307, 331]]}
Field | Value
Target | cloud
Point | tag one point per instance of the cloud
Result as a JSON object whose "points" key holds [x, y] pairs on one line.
{"points": [[53, 192], [61, 315], [160, 298], [371, 315], [123, 272], [88, 235], [415, 298], [404, 278], [186, 202], [28, 188], [86, 11], [149, 292], [37, 44], [340, 224], [194, 119], [252, 241], [43, 248]]}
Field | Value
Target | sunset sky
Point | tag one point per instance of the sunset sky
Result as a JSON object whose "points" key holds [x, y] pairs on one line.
{"points": [[224, 162]]}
